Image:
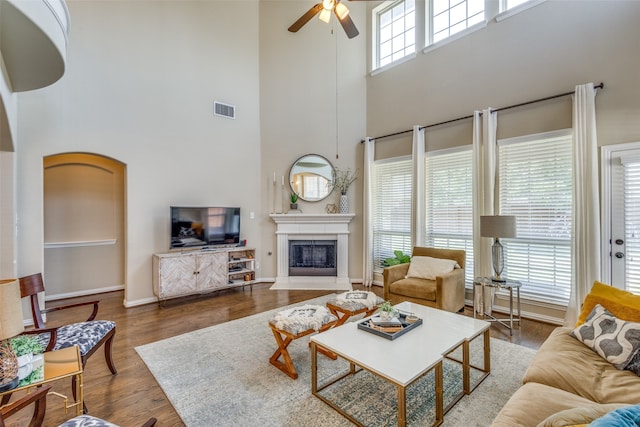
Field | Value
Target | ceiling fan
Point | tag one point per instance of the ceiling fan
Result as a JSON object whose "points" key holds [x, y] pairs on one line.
{"points": [[325, 7]]}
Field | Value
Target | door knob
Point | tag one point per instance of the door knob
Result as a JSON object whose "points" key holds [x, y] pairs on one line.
{"points": [[619, 255]]}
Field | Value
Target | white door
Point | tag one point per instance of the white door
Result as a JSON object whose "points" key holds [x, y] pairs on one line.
{"points": [[621, 216]]}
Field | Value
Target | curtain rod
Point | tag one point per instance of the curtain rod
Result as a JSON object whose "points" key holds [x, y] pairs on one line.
{"points": [[600, 86]]}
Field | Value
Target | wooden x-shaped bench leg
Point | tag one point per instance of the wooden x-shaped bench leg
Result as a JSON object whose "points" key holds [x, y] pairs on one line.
{"points": [[344, 314], [286, 367], [283, 339]]}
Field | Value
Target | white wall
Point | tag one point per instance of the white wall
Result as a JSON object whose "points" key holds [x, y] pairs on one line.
{"points": [[312, 101], [140, 82], [139, 87]]}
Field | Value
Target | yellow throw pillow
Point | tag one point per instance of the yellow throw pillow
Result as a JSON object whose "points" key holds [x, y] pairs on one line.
{"points": [[622, 304]]}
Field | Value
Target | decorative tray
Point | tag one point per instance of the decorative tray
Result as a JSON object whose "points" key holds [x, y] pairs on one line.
{"points": [[390, 332]]}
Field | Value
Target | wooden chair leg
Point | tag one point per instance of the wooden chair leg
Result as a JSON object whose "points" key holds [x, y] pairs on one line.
{"points": [[286, 367], [108, 355]]}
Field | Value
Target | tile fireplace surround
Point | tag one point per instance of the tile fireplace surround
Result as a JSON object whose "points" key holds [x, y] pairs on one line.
{"points": [[313, 227]]}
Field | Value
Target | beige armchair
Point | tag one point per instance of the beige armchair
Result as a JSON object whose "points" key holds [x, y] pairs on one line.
{"points": [[446, 292]]}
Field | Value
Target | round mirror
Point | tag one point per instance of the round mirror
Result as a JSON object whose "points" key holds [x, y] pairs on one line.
{"points": [[311, 177]]}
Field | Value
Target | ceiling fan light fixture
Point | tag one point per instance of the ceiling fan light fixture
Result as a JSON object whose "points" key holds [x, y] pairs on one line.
{"points": [[328, 4], [325, 15], [342, 11]]}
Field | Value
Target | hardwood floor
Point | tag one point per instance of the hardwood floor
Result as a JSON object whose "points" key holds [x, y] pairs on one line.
{"points": [[132, 396]]}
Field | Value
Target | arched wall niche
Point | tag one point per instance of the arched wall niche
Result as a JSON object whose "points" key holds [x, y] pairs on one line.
{"points": [[84, 224]]}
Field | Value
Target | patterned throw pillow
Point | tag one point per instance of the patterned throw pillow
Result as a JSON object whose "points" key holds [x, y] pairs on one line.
{"points": [[634, 364], [617, 341]]}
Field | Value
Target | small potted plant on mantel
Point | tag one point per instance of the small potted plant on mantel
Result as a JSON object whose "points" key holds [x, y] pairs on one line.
{"points": [[293, 198]]}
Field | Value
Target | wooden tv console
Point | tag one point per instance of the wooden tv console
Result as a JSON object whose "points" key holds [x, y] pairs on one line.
{"points": [[177, 274]]}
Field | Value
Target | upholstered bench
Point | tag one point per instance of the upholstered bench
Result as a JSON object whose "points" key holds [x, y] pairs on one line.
{"points": [[89, 421], [353, 303], [294, 323]]}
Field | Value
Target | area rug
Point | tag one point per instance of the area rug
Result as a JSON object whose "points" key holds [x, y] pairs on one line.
{"points": [[221, 376]]}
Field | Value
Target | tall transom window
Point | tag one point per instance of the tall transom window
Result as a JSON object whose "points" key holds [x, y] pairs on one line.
{"points": [[395, 31], [449, 17]]}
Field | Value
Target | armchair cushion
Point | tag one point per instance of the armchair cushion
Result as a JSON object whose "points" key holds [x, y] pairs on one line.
{"points": [[414, 287], [425, 267], [84, 334]]}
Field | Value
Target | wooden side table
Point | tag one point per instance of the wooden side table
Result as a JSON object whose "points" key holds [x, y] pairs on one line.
{"points": [[60, 364], [486, 282]]}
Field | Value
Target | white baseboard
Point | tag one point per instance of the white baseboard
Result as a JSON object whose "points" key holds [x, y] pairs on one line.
{"points": [[49, 297]]}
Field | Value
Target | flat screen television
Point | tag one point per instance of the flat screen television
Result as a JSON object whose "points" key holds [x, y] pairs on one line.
{"points": [[193, 227]]}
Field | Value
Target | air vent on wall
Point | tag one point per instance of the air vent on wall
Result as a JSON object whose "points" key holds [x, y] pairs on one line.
{"points": [[224, 110]]}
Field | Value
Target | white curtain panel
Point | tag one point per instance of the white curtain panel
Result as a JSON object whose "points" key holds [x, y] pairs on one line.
{"points": [[485, 125], [418, 154], [367, 243], [585, 244]]}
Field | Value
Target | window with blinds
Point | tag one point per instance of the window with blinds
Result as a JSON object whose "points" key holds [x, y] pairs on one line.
{"points": [[448, 198], [391, 214], [535, 185], [632, 225]]}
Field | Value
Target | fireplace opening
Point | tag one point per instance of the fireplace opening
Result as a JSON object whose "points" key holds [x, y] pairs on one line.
{"points": [[313, 258]]}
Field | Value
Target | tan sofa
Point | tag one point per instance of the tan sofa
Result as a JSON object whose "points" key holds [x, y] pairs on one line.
{"points": [[446, 292], [567, 383]]}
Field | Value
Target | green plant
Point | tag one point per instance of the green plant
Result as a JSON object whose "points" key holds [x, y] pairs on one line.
{"points": [[24, 344], [399, 258], [386, 306], [293, 197]]}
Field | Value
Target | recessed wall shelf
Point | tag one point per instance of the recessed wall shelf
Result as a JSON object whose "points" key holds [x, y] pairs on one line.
{"points": [[79, 243]]}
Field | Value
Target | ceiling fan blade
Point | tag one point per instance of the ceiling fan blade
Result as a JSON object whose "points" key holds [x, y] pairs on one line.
{"points": [[348, 26], [305, 18]]}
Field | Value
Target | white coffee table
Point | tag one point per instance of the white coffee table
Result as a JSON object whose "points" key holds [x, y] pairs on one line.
{"points": [[405, 359]]}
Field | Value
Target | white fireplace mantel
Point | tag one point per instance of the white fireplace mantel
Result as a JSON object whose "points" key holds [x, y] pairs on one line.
{"points": [[313, 227]]}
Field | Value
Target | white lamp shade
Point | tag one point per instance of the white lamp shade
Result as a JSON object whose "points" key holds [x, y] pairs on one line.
{"points": [[498, 226], [341, 10], [11, 323], [325, 15]]}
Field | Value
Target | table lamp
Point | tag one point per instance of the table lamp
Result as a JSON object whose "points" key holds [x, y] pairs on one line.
{"points": [[11, 324], [497, 226]]}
